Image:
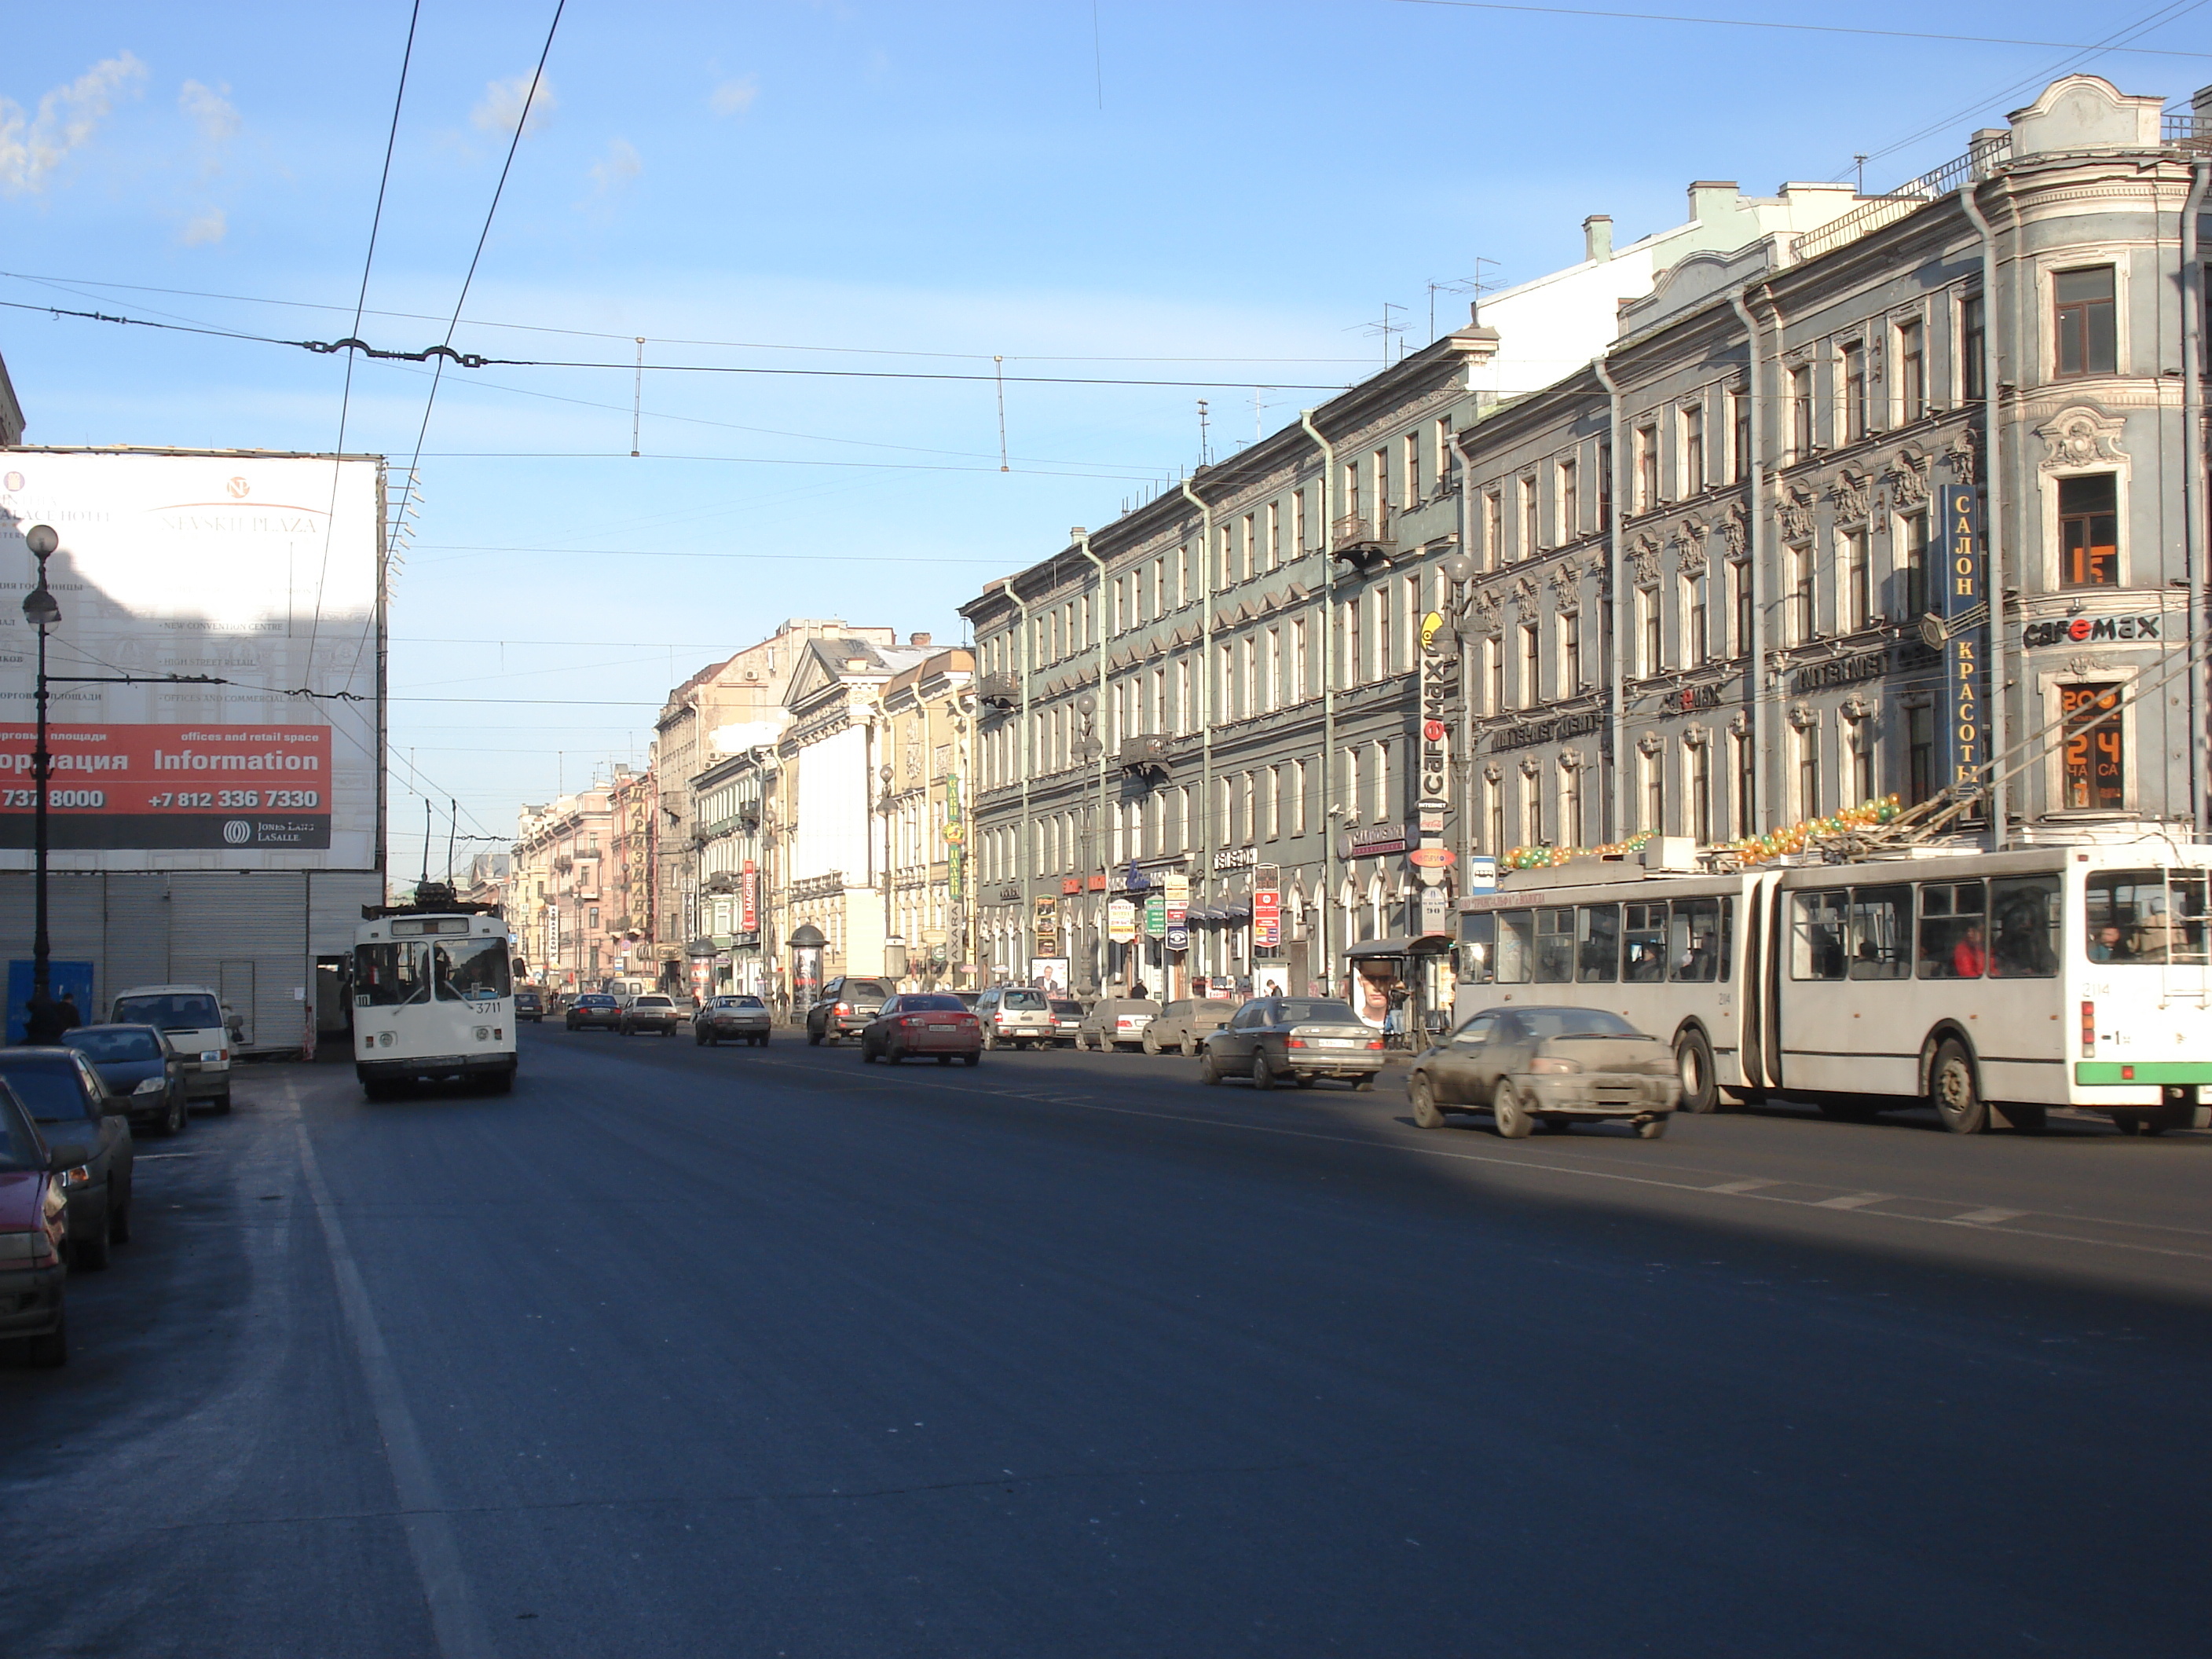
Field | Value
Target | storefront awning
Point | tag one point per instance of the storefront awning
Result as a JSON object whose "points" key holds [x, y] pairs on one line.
{"points": [[1397, 946]]}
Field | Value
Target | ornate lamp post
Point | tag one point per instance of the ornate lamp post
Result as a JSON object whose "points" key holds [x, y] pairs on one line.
{"points": [[42, 612]]}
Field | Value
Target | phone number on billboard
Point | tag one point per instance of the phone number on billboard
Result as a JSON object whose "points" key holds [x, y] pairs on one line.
{"points": [[275, 799]]}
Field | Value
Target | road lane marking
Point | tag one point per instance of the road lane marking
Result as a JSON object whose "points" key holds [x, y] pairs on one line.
{"points": [[454, 1622], [1984, 1218], [1849, 1201], [1741, 1186]]}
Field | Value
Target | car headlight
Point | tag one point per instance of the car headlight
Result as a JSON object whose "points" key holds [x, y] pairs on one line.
{"points": [[79, 1176], [152, 1086]]}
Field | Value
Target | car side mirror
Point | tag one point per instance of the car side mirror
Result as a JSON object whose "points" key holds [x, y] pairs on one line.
{"points": [[67, 1156]]}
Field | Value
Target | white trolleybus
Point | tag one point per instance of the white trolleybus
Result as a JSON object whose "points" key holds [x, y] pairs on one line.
{"points": [[2072, 971], [433, 996]]}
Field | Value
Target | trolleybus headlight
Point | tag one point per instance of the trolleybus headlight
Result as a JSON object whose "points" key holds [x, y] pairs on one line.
{"points": [[484, 1034]]}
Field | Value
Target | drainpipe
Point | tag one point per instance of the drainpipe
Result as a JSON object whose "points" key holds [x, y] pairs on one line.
{"points": [[1754, 382], [1205, 685], [1025, 851], [2192, 464], [1098, 567], [1327, 695], [1993, 532], [1616, 669]]}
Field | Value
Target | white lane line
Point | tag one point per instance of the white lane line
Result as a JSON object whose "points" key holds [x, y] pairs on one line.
{"points": [[1982, 1217], [1849, 1201], [454, 1622], [155, 1158], [1730, 1189]]}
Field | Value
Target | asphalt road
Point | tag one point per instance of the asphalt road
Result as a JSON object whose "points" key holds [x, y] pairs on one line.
{"points": [[704, 1352]]}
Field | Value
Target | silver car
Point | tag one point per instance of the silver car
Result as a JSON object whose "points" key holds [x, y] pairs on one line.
{"points": [[1185, 1024], [1547, 1068], [733, 1019], [1016, 1017], [1295, 1040], [1117, 1022]]}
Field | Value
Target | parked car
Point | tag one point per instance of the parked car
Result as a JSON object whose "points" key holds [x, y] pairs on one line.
{"points": [[1184, 1026], [529, 1006], [1067, 1019], [1016, 1017], [923, 1022], [649, 1011], [844, 1008], [1117, 1022], [593, 1011], [1553, 1067], [139, 1071], [70, 1107], [1295, 1040], [969, 998], [199, 1028], [732, 1018], [33, 1232]]}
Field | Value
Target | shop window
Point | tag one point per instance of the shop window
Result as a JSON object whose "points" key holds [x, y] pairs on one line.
{"points": [[2092, 748]]}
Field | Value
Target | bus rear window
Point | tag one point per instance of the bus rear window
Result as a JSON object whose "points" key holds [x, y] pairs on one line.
{"points": [[2147, 916]]}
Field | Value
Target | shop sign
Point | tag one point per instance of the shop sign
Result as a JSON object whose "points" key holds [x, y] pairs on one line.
{"points": [[1436, 912], [1958, 547], [749, 899], [1156, 914], [1236, 858], [1844, 671], [1431, 858], [1098, 883], [1176, 889], [1048, 925], [1560, 728], [1691, 700], [1069, 885], [2089, 630], [1267, 918], [1374, 840], [1121, 920]]}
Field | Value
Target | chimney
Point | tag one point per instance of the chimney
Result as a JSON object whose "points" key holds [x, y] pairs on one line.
{"points": [[919, 639], [1712, 197], [2201, 102], [1597, 237], [1077, 534]]}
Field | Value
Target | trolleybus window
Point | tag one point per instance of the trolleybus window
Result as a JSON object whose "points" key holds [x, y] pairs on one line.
{"points": [[1597, 952], [1555, 947], [1816, 944], [1516, 947], [1697, 940], [2024, 926], [470, 969], [1645, 938], [391, 976], [1953, 940], [2151, 916], [1881, 933]]}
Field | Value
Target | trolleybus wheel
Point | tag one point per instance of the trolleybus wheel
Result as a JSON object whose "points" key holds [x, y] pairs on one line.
{"points": [[1693, 1062], [1952, 1091]]}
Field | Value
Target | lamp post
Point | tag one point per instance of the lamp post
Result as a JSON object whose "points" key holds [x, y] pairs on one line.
{"points": [[41, 611]]}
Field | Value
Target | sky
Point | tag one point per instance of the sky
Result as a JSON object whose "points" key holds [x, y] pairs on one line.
{"points": [[1227, 196]]}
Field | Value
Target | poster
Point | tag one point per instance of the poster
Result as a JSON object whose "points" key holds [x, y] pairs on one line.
{"points": [[1048, 974]]}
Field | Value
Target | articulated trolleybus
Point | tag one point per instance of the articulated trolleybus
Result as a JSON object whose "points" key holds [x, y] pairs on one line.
{"points": [[433, 995], [2072, 971]]}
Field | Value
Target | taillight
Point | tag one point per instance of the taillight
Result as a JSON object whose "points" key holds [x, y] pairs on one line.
{"points": [[844, 1007], [1376, 1042], [2088, 1030], [1294, 1042]]}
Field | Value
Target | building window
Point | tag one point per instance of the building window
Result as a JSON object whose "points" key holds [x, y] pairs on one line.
{"points": [[1693, 449], [2089, 530], [2089, 328], [1271, 682], [1570, 501], [1912, 534], [591, 920], [1571, 805], [1809, 772], [1801, 412], [1532, 813], [1442, 426], [1973, 350], [1858, 579], [1299, 520], [1494, 667], [1746, 784], [1493, 800], [1350, 785], [1531, 537], [1699, 766], [1271, 801], [1300, 689], [1381, 488], [1655, 793], [1801, 594], [1695, 637], [1648, 625], [1532, 687], [1274, 535], [2093, 753], [1859, 736], [1911, 373], [1493, 527], [1382, 781], [1739, 606], [1382, 591], [1248, 703], [1854, 367], [1644, 452], [1412, 470], [1297, 798], [1570, 653], [1739, 403], [1349, 675]]}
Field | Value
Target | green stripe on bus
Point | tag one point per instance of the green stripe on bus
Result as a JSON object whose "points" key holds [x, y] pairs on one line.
{"points": [[2094, 1071]]}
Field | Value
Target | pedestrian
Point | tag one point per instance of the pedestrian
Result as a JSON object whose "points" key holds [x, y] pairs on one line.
{"points": [[68, 1013], [1137, 990], [1968, 959]]}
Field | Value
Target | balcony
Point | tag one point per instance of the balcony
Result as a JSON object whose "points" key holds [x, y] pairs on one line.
{"points": [[1359, 538], [1145, 756], [998, 690]]}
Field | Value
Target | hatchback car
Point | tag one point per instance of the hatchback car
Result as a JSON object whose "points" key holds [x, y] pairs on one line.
{"points": [[529, 1006], [923, 1022], [1185, 1024], [70, 1107], [1016, 1017], [138, 1068], [731, 1019], [198, 1027], [1550, 1067], [1067, 1019], [650, 1011], [844, 1008], [1296, 1040], [33, 1232], [593, 1011], [1117, 1022]]}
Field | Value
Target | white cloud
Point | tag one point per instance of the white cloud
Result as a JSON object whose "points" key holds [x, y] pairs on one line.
{"points": [[503, 100], [208, 227], [210, 110], [621, 164], [32, 147], [735, 96]]}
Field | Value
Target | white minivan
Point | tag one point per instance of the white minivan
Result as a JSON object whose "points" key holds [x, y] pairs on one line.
{"points": [[198, 1027]]}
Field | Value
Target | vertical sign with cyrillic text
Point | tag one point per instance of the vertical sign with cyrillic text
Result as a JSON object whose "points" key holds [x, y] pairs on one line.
{"points": [[1964, 607]]}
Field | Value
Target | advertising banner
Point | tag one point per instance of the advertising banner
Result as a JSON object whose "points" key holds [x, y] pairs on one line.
{"points": [[1176, 887], [1266, 907], [1155, 913], [749, 899], [1047, 927], [1432, 859], [1121, 920], [1963, 603], [215, 677]]}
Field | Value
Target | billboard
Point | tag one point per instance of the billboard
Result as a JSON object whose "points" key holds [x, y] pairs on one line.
{"points": [[259, 572]]}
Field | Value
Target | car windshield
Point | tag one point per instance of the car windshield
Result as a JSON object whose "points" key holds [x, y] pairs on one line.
{"points": [[1300, 1011], [50, 1086], [1542, 1023], [173, 1010], [932, 1005], [18, 1142], [1062, 1006], [100, 1043]]}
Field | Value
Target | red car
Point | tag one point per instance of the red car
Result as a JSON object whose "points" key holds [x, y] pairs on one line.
{"points": [[923, 1022], [34, 1224]]}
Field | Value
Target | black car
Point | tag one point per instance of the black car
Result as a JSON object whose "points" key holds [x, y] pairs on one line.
{"points": [[595, 1009], [33, 1233], [71, 1107], [1294, 1040], [137, 1067], [844, 1008], [529, 1006]]}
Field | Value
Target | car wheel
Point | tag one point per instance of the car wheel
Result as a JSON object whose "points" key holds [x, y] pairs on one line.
{"points": [[990, 1038], [1952, 1091], [1209, 1069], [945, 1060], [89, 1255], [222, 1102], [1263, 1075], [971, 1059], [1149, 1043], [813, 1037], [761, 1042], [50, 1351], [1651, 1128], [699, 1038], [1694, 1064], [173, 1119], [1513, 1119], [1190, 1047], [1422, 1094]]}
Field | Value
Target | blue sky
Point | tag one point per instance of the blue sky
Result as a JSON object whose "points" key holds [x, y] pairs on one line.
{"points": [[1223, 192]]}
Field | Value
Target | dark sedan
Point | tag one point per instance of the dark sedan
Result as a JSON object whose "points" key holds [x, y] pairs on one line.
{"points": [[137, 1067], [923, 1022], [33, 1232], [737, 1018], [596, 1010], [1549, 1067], [529, 1006], [71, 1108], [1274, 1040]]}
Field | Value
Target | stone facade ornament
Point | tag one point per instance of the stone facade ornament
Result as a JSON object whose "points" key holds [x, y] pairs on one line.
{"points": [[1572, 760], [1650, 744], [1492, 772], [1697, 737], [1908, 479], [1690, 548], [2081, 437], [1855, 708], [1530, 766], [1739, 724], [1962, 453], [1566, 579], [1804, 716], [1735, 531], [1524, 594], [1852, 497], [1796, 512]]}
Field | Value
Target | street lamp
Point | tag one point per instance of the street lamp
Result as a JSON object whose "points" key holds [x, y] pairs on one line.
{"points": [[42, 612]]}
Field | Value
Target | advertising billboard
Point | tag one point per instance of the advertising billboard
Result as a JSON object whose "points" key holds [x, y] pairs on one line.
{"points": [[216, 680]]}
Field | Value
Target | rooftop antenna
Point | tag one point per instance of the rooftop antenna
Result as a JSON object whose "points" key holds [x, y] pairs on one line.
{"points": [[1386, 326], [1858, 166], [1204, 455]]}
